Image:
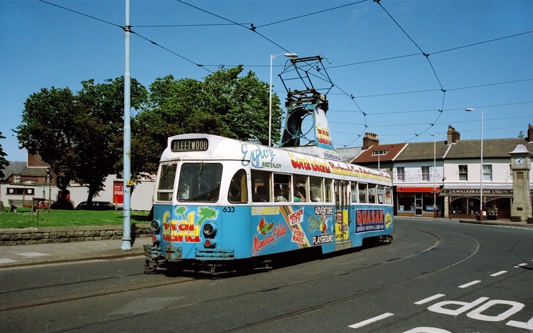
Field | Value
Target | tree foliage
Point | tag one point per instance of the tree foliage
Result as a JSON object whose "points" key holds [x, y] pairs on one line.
{"points": [[80, 136], [222, 104], [3, 161]]}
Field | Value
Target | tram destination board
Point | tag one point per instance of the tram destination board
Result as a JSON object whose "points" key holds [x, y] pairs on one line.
{"points": [[189, 145]]}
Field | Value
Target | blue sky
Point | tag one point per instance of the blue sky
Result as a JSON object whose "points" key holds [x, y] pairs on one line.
{"points": [[471, 56]]}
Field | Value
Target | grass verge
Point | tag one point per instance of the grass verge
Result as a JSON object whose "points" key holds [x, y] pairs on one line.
{"points": [[67, 218]]}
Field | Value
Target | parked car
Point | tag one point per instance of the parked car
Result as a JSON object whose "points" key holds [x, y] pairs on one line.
{"points": [[97, 205]]}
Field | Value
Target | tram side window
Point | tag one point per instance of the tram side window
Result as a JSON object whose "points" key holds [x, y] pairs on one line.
{"points": [[354, 192], [381, 194], [372, 193], [315, 189], [167, 174], [282, 188], [261, 186], [238, 189], [328, 186], [362, 193], [300, 188], [388, 195], [199, 182]]}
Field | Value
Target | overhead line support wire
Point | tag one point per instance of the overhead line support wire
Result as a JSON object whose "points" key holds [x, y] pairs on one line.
{"points": [[252, 27]]}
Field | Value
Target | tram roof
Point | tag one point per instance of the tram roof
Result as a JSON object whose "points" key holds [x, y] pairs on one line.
{"points": [[256, 156]]}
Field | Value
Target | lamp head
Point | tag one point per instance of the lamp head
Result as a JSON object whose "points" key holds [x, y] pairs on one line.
{"points": [[469, 109], [291, 55]]}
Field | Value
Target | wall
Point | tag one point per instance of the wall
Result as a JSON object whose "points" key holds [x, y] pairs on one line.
{"points": [[141, 198], [26, 236]]}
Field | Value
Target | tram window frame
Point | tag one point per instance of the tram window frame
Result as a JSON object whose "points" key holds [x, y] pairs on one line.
{"points": [[362, 189], [261, 180], [301, 182], [381, 194], [203, 187], [354, 192], [328, 187], [316, 189], [388, 195], [282, 187], [372, 197], [240, 183], [165, 181]]}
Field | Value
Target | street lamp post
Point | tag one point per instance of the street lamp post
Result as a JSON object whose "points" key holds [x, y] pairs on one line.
{"points": [[434, 175], [480, 167], [288, 55]]}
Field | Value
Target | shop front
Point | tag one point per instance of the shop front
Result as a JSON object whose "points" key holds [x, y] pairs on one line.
{"points": [[418, 201], [463, 201]]}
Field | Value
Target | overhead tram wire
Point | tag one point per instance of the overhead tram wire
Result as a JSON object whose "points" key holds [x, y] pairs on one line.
{"points": [[131, 31], [252, 27], [430, 64], [310, 14]]}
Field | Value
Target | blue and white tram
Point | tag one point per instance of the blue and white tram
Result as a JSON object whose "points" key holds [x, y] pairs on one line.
{"points": [[220, 199]]}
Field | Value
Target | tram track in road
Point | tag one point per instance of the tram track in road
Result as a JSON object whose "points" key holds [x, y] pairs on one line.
{"points": [[257, 292]]}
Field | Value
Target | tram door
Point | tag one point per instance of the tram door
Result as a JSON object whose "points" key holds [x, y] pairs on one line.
{"points": [[342, 209]]}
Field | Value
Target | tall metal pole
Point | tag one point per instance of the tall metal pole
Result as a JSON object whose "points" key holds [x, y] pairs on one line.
{"points": [[434, 175], [270, 105], [480, 167], [126, 234], [481, 174], [272, 56]]}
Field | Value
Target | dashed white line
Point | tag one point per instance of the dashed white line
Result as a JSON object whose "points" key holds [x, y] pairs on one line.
{"points": [[371, 320], [6, 260], [429, 299], [32, 254], [521, 265], [466, 285], [498, 273]]}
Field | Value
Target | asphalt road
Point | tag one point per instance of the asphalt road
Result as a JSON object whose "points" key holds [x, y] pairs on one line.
{"points": [[437, 276]]}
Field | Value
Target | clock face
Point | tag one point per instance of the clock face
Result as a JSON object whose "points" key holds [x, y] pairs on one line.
{"points": [[519, 161]]}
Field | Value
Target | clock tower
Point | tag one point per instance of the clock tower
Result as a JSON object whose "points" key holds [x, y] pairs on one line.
{"points": [[520, 167]]}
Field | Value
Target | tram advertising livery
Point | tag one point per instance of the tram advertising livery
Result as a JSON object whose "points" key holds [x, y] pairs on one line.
{"points": [[220, 201]]}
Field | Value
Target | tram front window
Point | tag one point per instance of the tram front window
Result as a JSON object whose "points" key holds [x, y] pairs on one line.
{"points": [[199, 182], [167, 173]]}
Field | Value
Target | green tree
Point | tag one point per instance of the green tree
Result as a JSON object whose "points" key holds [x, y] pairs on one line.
{"points": [[80, 136], [224, 103], [49, 127], [3, 161]]}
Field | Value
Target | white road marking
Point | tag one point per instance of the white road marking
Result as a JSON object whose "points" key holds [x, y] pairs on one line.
{"points": [[371, 320], [427, 330], [466, 285], [429, 299], [6, 260], [521, 265], [498, 273], [32, 254]]}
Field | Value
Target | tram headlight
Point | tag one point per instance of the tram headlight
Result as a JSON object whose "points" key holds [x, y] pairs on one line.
{"points": [[210, 230], [154, 225]]}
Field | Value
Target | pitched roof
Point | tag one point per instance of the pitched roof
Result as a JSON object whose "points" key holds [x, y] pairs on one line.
{"points": [[348, 154], [14, 168], [34, 172], [416, 151], [492, 148], [391, 152]]}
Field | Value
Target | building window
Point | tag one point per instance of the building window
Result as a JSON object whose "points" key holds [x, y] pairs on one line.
{"points": [[425, 173], [463, 172], [379, 152], [401, 174], [487, 172], [17, 179]]}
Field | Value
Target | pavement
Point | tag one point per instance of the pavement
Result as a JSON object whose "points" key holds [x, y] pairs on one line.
{"points": [[54, 253]]}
